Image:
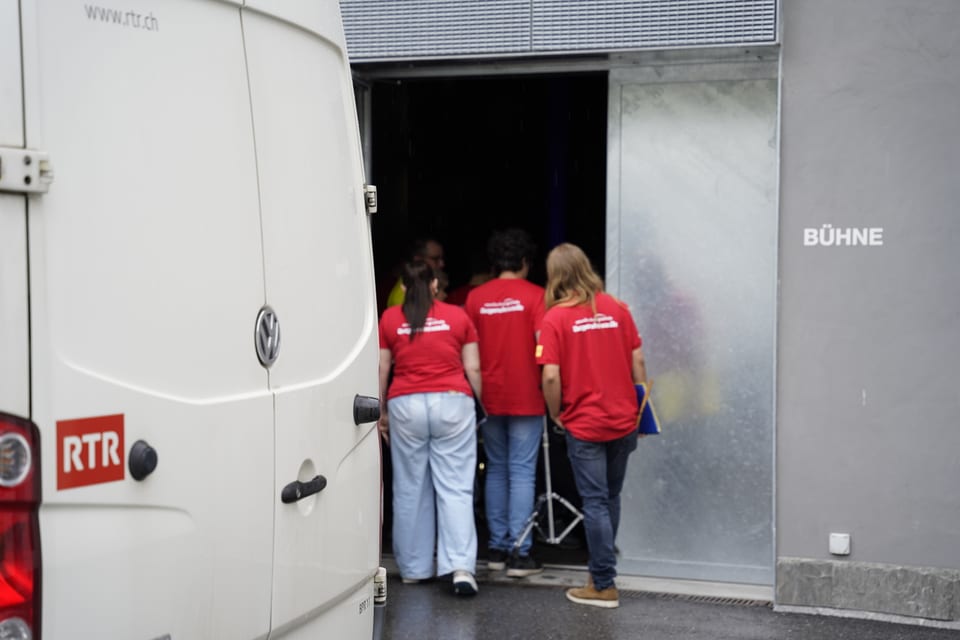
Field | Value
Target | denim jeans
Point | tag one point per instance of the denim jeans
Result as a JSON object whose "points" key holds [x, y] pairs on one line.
{"points": [[511, 444], [598, 470], [433, 448]]}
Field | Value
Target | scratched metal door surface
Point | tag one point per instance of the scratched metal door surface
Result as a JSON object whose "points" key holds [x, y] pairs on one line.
{"points": [[692, 240]]}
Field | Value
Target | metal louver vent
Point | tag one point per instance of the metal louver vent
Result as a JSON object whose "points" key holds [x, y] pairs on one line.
{"points": [[569, 25], [405, 29], [391, 29]]}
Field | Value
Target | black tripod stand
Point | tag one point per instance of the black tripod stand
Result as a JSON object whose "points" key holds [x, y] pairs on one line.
{"points": [[545, 501]]}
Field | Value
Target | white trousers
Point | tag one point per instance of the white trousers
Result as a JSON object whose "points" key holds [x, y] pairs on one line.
{"points": [[433, 448]]}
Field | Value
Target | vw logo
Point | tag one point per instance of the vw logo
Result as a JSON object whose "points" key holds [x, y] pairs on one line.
{"points": [[267, 336]]}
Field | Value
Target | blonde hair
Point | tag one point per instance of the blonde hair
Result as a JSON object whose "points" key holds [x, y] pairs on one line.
{"points": [[571, 280]]}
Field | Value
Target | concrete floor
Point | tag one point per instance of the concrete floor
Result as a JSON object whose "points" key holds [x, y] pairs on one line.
{"points": [[537, 609]]}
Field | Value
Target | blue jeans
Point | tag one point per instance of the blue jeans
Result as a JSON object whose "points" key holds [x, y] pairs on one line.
{"points": [[598, 470], [433, 448], [511, 444]]}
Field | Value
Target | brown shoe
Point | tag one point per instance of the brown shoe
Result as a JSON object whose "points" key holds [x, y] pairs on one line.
{"points": [[607, 598]]}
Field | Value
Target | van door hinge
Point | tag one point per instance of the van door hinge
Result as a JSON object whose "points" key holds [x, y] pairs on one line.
{"points": [[370, 198], [24, 170]]}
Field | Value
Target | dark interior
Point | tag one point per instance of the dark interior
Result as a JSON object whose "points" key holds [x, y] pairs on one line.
{"points": [[457, 158]]}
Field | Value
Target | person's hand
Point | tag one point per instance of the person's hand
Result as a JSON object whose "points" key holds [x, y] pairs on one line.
{"points": [[383, 426]]}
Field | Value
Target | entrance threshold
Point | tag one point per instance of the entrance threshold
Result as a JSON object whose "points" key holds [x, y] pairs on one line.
{"points": [[575, 576]]}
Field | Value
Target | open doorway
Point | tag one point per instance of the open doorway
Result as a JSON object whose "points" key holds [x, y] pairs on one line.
{"points": [[457, 158]]}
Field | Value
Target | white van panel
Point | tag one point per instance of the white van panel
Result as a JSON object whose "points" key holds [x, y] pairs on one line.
{"points": [[320, 17], [14, 337], [318, 267], [186, 552], [351, 617], [11, 84], [315, 229], [146, 275], [137, 209]]}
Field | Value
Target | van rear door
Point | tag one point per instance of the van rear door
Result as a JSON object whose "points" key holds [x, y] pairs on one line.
{"points": [[14, 336], [146, 273], [319, 278]]}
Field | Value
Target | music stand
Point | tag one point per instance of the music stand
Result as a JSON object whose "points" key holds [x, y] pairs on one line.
{"points": [[546, 499]]}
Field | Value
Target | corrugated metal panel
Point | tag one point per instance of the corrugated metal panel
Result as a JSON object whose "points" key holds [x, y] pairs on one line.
{"points": [[403, 29], [435, 28], [570, 25]]}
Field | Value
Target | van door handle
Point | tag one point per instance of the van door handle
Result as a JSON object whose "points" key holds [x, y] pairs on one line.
{"points": [[365, 409], [297, 490]]}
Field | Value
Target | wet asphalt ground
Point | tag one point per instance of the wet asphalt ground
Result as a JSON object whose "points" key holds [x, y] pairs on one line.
{"points": [[506, 609]]}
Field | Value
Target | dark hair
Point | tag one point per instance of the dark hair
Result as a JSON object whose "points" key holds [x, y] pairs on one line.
{"points": [[508, 249], [417, 249], [418, 298]]}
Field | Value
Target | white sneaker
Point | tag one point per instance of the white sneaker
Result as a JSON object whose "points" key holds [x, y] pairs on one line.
{"points": [[464, 583]]}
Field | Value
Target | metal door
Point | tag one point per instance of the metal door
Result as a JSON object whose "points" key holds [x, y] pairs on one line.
{"points": [[692, 238]]}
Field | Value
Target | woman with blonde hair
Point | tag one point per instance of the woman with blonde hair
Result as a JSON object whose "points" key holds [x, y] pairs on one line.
{"points": [[592, 358]]}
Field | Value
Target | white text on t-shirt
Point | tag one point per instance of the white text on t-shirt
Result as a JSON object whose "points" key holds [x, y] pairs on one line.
{"points": [[599, 321], [432, 325], [507, 305]]}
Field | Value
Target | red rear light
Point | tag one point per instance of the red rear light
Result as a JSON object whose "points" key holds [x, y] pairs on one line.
{"points": [[19, 529]]}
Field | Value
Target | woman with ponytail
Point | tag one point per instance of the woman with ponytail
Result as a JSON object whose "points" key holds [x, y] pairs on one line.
{"points": [[591, 356], [428, 417]]}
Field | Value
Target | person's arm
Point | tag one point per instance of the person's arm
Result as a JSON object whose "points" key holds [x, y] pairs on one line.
{"points": [[639, 367], [470, 353], [383, 424], [551, 390]]}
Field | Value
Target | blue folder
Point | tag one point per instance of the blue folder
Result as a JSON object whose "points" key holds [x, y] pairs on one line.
{"points": [[647, 420]]}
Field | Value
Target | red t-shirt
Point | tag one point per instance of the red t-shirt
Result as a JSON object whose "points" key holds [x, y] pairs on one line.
{"points": [[598, 399], [507, 313], [432, 361]]}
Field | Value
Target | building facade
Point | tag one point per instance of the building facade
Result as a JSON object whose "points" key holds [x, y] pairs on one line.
{"points": [[770, 185]]}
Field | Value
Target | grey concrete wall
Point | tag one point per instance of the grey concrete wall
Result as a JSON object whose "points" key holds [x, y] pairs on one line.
{"points": [[868, 425]]}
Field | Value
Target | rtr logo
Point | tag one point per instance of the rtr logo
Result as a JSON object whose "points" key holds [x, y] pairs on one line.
{"points": [[89, 451]]}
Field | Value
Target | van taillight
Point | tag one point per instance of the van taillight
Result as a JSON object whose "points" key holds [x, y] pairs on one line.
{"points": [[19, 529]]}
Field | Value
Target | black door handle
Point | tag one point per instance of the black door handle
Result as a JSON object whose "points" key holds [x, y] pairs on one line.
{"points": [[297, 490], [365, 409]]}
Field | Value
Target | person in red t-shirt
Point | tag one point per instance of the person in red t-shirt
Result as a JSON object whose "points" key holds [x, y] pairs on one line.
{"points": [[592, 358], [507, 312], [428, 415]]}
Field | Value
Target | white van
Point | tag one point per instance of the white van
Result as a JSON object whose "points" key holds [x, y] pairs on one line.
{"points": [[187, 319]]}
